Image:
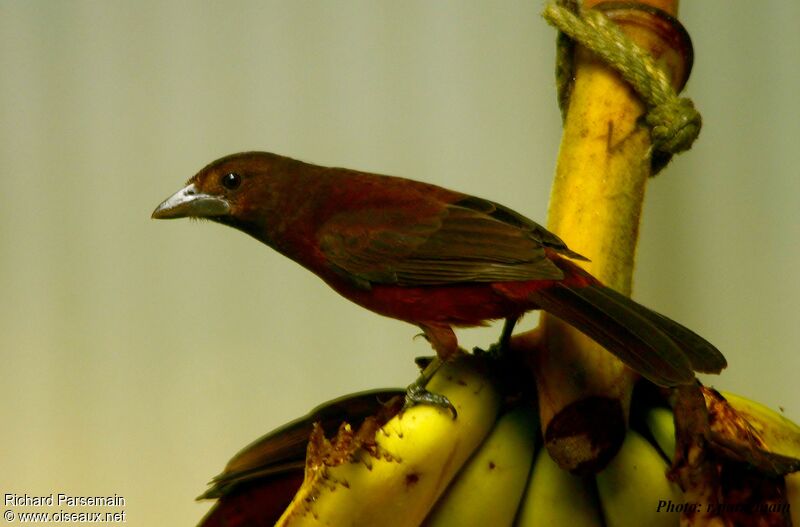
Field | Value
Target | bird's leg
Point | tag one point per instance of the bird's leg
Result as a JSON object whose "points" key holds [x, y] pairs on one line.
{"points": [[423, 361], [504, 344], [445, 344]]}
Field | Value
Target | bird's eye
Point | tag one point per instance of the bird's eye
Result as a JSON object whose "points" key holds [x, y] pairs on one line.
{"points": [[231, 181]]}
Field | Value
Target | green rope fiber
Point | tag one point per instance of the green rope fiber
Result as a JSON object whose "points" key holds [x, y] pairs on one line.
{"points": [[673, 121]]}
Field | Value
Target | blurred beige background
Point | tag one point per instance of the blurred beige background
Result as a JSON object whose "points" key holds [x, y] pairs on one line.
{"points": [[137, 356]]}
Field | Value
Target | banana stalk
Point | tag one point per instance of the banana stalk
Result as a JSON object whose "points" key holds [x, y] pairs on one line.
{"points": [[596, 202]]}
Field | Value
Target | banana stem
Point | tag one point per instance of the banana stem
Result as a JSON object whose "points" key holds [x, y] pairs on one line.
{"points": [[595, 205]]}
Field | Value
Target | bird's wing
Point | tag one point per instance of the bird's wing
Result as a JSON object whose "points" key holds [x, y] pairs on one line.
{"points": [[425, 243]]}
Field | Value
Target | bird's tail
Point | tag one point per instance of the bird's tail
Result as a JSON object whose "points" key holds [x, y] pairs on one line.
{"points": [[662, 350]]}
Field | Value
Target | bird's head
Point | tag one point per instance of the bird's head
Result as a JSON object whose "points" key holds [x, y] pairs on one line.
{"points": [[227, 190]]}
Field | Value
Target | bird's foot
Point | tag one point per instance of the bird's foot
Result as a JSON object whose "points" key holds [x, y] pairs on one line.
{"points": [[493, 352], [501, 348], [416, 393]]}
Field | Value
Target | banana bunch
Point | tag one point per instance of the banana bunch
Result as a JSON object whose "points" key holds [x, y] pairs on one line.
{"points": [[420, 466], [396, 476]]}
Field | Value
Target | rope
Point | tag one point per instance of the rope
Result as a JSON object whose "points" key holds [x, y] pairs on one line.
{"points": [[673, 121]]}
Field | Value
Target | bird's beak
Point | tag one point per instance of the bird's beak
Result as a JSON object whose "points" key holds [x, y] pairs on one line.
{"points": [[188, 202]]}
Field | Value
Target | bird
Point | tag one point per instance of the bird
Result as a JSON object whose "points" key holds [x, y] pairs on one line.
{"points": [[433, 257]]}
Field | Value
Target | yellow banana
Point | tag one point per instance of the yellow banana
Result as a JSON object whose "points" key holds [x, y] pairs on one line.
{"points": [[780, 435], [487, 490], [634, 489], [414, 456], [555, 497], [661, 423]]}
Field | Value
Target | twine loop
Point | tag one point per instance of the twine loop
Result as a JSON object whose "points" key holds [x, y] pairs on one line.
{"points": [[673, 121]]}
